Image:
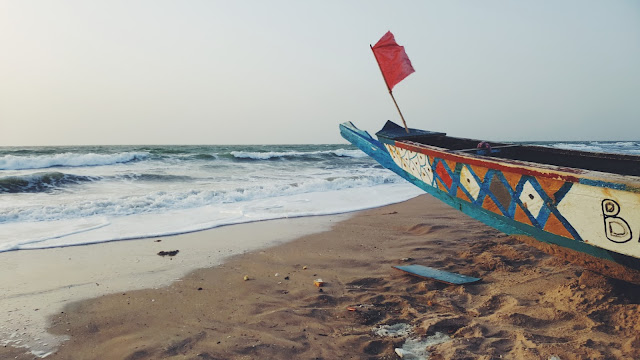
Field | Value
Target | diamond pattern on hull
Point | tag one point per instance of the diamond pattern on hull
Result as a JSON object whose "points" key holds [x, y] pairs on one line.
{"points": [[531, 199], [469, 182], [519, 197]]}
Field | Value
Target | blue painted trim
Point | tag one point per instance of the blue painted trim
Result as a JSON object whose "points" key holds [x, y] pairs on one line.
{"points": [[603, 184]]}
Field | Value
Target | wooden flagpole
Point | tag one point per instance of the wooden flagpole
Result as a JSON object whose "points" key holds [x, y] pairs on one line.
{"points": [[390, 92]]}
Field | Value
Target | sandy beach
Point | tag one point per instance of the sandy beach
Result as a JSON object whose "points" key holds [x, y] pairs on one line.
{"points": [[35, 284], [264, 304]]}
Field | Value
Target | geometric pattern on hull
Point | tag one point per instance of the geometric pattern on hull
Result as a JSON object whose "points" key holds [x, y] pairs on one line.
{"points": [[519, 197]]}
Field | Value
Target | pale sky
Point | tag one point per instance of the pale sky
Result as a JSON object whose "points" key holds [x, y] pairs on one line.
{"points": [[284, 72]]}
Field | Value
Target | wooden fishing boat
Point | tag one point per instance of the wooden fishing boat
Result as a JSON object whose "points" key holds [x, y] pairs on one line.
{"points": [[582, 206]]}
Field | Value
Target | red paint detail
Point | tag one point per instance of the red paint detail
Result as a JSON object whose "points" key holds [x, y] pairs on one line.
{"points": [[444, 175]]}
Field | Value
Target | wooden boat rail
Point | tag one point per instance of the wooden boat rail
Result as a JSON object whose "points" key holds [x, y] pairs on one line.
{"points": [[619, 164], [480, 151]]}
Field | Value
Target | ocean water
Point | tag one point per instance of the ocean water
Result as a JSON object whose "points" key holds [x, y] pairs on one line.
{"points": [[64, 196], [614, 147]]}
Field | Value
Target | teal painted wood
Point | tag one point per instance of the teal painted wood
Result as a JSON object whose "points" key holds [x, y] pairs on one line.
{"points": [[368, 145], [436, 274]]}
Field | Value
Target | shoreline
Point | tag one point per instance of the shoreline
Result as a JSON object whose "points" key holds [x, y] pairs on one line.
{"points": [[38, 283], [529, 305]]}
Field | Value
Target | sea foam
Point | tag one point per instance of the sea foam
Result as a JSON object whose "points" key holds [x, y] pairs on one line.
{"points": [[159, 201], [101, 228]]}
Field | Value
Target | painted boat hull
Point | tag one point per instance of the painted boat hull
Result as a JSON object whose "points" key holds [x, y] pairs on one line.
{"points": [[575, 211]]}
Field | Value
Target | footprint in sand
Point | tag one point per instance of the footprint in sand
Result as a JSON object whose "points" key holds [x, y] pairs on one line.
{"points": [[423, 229], [497, 304]]}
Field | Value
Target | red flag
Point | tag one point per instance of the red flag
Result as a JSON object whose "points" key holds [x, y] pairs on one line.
{"points": [[392, 59]]}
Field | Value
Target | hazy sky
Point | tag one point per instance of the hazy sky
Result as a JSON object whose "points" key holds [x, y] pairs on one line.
{"points": [[264, 72]]}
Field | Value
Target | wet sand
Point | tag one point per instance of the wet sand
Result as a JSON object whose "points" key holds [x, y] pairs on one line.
{"points": [[529, 305], [35, 284]]}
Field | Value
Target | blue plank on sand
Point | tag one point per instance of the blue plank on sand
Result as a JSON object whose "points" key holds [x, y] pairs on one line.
{"points": [[439, 275]]}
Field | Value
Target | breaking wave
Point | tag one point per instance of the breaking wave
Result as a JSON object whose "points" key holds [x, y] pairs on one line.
{"points": [[39, 182], [13, 162], [268, 155], [162, 201]]}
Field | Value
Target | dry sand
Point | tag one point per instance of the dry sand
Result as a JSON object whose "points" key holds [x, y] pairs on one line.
{"points": [[529, 305]]}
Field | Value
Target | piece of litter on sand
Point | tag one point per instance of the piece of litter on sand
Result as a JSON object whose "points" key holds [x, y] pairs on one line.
{"points": [[401, 353], [436, 274], [416, 349], [318, 282], [169, 253], [395, 330]]}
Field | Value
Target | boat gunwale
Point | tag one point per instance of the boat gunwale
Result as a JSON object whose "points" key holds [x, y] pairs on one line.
{"points": [[576, 175]]}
